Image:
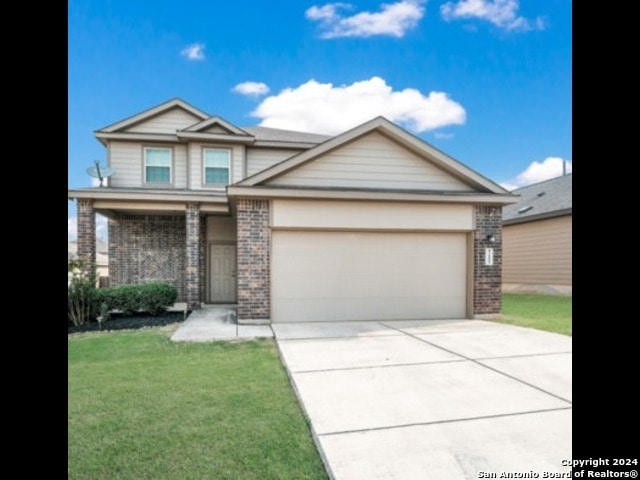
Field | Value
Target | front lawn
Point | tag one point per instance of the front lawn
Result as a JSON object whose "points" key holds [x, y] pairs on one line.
{"points": [[544, 312], [143, 407]]}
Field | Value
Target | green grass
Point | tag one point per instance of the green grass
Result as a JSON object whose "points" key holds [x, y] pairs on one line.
{"points": [[544, 312], [142, 407]]}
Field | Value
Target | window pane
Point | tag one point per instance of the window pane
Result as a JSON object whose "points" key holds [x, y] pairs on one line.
{"points": [[216, 158], [216, 166], [158, 174], [158, 157], [217, 175]]}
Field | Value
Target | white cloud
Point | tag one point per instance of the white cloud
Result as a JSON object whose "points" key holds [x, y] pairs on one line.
{"points": [[102, 230], [501, 13], [443, 135], [550, 167], [325, 108], [72, 228], [195, 51], [393, 19], [252, 89]]}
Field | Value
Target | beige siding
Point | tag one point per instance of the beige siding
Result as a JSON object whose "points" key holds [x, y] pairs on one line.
{"points": [[237, 163], [196, 169], [217, 129], [371, 215], [167, 122], [538, 252], [126, 159], [373, 161], [180, 166], [342, 276], [259, 159], [221, 229]]}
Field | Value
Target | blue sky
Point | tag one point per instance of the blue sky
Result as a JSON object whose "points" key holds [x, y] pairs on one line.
{"points": [[487, 81]]}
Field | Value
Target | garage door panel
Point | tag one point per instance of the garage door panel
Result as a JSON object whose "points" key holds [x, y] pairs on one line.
{"points": [[324, 276]]}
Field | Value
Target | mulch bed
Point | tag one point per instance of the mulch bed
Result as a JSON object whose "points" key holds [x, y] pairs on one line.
{"points": [[120, 322]]}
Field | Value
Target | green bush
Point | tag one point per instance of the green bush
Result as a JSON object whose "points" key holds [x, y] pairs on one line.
{"points": [[153, 298]]}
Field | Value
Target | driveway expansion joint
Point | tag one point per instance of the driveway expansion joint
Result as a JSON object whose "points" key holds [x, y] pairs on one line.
{"points": [[481, 364], [366, 367], [439, 422]]}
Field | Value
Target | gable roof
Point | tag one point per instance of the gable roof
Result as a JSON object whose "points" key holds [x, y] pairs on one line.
{"points": [[207, 128], [213, 121], [152, 112], [392, 131], [267, 134], [547, 199]]}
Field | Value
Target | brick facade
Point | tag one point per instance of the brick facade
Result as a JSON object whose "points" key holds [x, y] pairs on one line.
{"points": [[87, 232], [487, 279], [146, 248], [254, 263], [192, 260]]}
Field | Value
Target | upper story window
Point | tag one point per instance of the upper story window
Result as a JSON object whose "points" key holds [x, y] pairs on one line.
{"points": [[217, 166], [157, 165]]}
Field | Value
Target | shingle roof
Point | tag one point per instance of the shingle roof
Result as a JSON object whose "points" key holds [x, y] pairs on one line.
{"points": [[550, 198], [277, 135]]}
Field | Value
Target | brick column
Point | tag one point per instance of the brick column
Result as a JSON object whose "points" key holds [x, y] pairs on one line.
{"points": [[192, 260], [487, 279], [254, 262], [87, 233]]}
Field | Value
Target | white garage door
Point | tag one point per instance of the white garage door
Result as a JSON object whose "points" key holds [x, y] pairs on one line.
{"points": [[332, 276]]}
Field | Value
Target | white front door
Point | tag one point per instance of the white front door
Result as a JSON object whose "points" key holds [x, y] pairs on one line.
{"points": [[222, 273]]}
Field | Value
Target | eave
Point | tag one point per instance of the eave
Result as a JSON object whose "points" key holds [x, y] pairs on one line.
{"points": [[540, 216], [106, 193], [370, 194]]}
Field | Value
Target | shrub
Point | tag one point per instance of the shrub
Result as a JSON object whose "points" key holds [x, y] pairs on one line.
{"points": [[81, 285], [153, 298]]}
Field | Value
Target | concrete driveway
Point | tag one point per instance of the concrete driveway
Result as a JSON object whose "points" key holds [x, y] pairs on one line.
{"points": [[450, 399]]}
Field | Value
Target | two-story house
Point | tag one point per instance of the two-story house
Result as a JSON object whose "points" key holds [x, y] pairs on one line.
{"points": [[373, 223]]}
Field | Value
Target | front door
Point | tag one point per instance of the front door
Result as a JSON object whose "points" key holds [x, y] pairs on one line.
{"points": [[222, 273]]}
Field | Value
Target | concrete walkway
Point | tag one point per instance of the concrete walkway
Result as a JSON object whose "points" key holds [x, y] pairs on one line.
{"points": [[217, 323], [453, 399]]}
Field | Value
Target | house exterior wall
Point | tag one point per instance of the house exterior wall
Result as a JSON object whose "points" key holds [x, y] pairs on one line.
{"points": [[193, 275], [359, 215], [487, 279], [538, 252], [196, 165], [148, 248], [167, 122], [254, 260], [259, 159], [87, 233], [127, 160], [221, 228], [372, 161]]}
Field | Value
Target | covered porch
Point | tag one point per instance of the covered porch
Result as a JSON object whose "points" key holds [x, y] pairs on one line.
{"points": [[184, 238]]}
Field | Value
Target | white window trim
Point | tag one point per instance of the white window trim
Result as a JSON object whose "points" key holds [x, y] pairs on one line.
{"points": [[204, 167], [144, 164]]}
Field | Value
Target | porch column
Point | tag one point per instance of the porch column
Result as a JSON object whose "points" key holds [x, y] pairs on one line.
{"points": [[254, 261], [192, 260], [87, 233], [487, 272]]}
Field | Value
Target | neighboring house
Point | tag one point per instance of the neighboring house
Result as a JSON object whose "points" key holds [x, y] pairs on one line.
{"points": [[102, 256], [537, 248], [373, 223]]}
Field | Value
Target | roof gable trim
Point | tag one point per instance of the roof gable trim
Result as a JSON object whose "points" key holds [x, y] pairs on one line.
{"points": [[152, 112], [396, 134]]}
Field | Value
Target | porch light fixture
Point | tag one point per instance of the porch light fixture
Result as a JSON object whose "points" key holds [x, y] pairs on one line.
{"points": [[490, 238]]}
